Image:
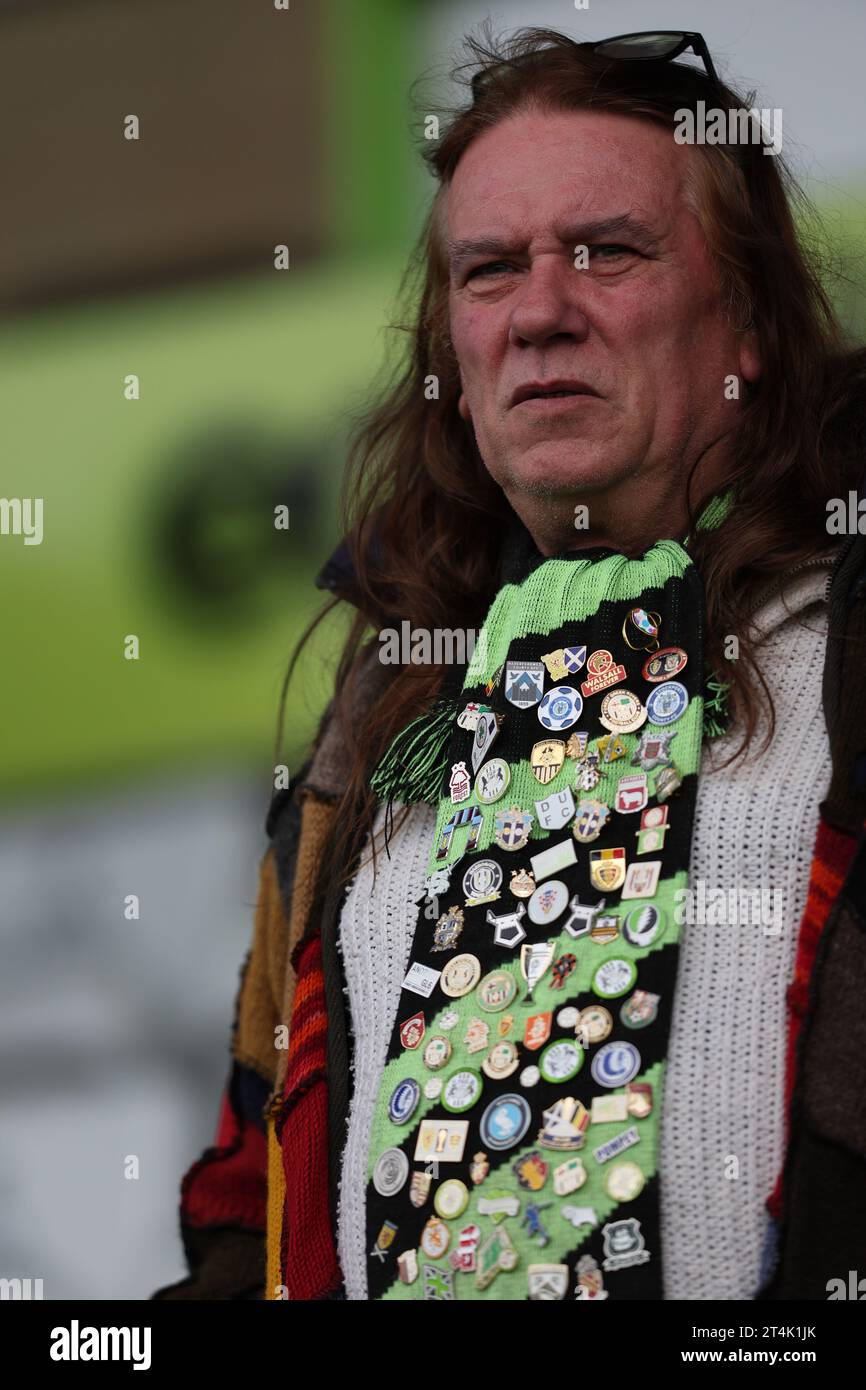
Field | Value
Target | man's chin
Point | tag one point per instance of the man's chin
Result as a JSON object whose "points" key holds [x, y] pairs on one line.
{"points": [[559, 473]]}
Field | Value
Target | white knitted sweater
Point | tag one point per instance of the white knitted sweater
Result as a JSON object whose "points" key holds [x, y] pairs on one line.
{"points": [[723, 1120]]}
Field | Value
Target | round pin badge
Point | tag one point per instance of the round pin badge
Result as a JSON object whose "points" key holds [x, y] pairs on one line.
{"points": [[664, 664], [496, 991], [435, 1238], [548, 902], [567, 1017], [596, 1022], [449, 1020], [436, 1052], [624, 1182], [451, 1199], [491, 780], [461, 1090], [644, 925], [500, 1061], [390, 1172], [530, 1076], [482, 880], [615, 1064], [614, 977], [433, 1088], [667, 703], [460, 976], [622, 711], [561, 707], [404, 1101], [561, 1060], [505, 1121]]}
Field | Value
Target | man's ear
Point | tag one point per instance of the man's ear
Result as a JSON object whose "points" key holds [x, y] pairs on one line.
{"points": [[750, 358], [463, 407]]}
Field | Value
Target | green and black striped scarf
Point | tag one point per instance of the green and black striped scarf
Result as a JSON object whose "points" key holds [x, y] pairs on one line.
{"points": [[515, 1142]]}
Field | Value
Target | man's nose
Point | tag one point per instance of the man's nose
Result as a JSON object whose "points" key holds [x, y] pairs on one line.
{"points": [[549, 303]]}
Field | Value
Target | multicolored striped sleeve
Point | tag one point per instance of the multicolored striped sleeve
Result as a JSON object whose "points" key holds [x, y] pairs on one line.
{"points": [[224, 1195]]}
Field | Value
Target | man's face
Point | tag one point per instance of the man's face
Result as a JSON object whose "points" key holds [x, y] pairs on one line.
{"points": [[639, 335]]}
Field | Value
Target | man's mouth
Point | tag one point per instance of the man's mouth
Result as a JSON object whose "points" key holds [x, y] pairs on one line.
{"points": [[550, 390]]}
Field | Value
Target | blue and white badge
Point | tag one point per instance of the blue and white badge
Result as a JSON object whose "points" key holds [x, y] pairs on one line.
{"points": [[404, 1100], [615, 1064], [524, 683], [667, 703], [562, 707], [505, 1121]]}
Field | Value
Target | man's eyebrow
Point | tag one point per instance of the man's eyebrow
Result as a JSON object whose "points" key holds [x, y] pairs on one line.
{"points": [[580, 233]]}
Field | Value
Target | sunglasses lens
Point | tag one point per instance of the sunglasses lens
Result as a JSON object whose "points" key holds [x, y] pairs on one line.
{"points": [[641, 46]]}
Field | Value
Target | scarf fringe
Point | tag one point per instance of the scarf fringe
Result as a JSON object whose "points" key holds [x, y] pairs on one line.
{"points": [[414, 765], [716, 712]]}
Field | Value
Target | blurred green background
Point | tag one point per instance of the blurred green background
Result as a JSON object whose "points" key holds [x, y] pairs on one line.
{"points": [[159, 512]]}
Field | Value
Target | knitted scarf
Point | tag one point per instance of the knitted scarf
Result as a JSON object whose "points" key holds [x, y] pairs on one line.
{"points": [[515, 1143]]}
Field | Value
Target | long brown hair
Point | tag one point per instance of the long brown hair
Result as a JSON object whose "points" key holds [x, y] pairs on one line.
{"points": [[420, 509]]}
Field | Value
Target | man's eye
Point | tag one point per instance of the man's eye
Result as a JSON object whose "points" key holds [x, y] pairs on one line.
{"points": [[613, 249], [488, 266]]}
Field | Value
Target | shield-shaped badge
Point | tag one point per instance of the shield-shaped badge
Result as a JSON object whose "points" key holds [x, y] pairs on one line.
{"points": [[632, 793], [511, 828], [547, 758], [556, 810], [537, 1031], [419, 1189], [412, 1031], [547, 1283], [384, 1239], [448, 929], [607, 869], [590, 821], [530, 1171], [575, 748], [524, 683], [565, 661]]}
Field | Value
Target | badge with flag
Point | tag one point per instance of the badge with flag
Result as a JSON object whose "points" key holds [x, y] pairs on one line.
{"points": [[607, 869]]}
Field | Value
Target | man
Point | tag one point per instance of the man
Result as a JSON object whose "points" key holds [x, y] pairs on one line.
{"points": [[584, 1020]]}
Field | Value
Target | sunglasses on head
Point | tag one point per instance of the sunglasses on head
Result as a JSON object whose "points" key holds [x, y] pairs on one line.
{"points": [[651, 45]]}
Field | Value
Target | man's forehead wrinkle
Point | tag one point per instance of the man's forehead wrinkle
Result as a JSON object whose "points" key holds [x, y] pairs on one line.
{"points": [[568, 231]]}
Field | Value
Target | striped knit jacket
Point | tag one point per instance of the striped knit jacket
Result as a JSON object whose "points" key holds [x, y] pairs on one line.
{"points": [[258, 1208]]}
